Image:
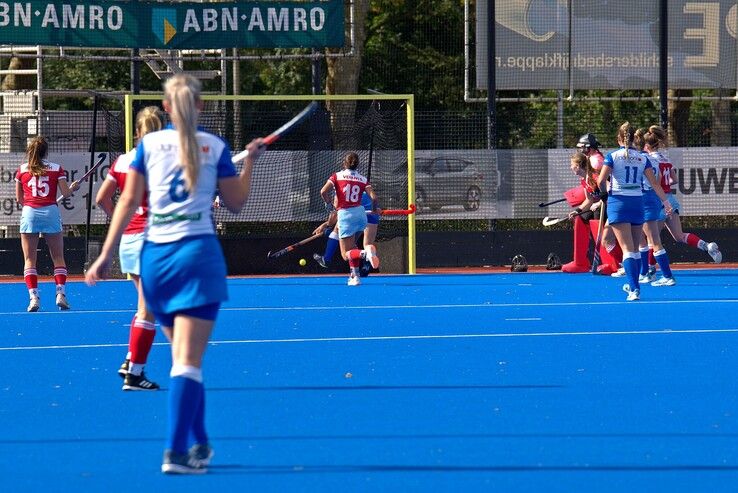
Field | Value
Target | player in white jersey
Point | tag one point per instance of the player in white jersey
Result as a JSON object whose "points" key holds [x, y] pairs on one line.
{"points": [[143, 329], [182, 265], [626, 166]]}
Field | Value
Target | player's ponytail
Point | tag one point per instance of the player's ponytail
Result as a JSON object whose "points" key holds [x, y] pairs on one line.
{"points": [[656, 137], [148, 120], [183, 94], [582, 162], [626, 135], [35, 153], [351, 161]]}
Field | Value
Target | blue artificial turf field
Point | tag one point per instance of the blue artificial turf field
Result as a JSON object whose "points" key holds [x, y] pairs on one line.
{"points": [[490, 382]]}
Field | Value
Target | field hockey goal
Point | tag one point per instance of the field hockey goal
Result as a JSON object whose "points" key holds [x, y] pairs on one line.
{"points": [[285, 202]]}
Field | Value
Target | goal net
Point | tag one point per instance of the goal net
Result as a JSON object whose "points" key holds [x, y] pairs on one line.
{"points": [[285, 203]]}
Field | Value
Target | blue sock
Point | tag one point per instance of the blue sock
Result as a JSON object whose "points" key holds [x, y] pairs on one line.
{"points": [[330, 249], [644, 261], [631, 266], [663, 260], [198, 426], [185, 395]]}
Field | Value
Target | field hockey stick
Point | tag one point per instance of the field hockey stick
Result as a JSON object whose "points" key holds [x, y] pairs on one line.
{"points": [[596, 256], [550, 221], [283, 130], [100, 160], [288, 249], [399, 212], [546, 204]]}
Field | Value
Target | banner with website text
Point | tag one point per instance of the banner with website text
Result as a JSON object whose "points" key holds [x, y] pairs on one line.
{"points": [[170, 25], [601, 44]]}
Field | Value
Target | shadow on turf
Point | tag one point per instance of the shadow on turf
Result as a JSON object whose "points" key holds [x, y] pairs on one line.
{"points": [[385, 387], [320, 469]]}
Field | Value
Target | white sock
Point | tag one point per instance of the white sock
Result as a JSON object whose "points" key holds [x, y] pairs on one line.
{"points": [[33, 293]]}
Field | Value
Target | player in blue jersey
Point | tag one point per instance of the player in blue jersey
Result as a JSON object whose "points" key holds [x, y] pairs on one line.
{"points": [[653, 210], [626, 168], [183, 271]]}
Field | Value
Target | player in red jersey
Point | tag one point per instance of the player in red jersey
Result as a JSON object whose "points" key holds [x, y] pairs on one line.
{"points": [[143, 330], [656, 142], [36, 187], [349, 185]]}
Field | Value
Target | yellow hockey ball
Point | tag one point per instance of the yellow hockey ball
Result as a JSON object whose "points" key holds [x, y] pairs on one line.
{"points": [[303, 262]]}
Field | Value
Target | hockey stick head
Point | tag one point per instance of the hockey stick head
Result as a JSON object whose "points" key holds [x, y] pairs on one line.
{"points": [[550, 221]]}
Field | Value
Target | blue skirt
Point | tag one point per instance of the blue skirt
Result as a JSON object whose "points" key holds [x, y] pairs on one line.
{"points": [[45, 219], [184, 274], [351, 221], [653, 209], [625, 209]]}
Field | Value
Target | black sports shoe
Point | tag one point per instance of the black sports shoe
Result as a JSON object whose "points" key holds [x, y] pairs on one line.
{"points": [[321, 261], [174, 463], [202, 453], [123, 370], [139, 382]]}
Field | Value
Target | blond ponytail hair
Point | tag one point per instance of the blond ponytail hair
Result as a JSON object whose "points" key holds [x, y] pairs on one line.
{"points": [[183, 93], [36, 152], [148, 120]]}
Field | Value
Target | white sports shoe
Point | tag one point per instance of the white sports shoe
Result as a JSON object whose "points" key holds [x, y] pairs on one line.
{"points": [[34, 304], [634, 295], [664, 281], [61, 302], [646, 278], [370, 254], [714, 251], [619, 273], [354, 281]]}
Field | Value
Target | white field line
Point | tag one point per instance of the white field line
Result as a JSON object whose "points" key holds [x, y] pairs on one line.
{"points": [[404, 338]]}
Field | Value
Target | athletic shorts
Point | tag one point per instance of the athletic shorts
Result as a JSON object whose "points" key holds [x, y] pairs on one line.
{"points": [[45, 219], [372, 218], [653, 209], [130, 253], [182, 275], [625, 209], [675, 206], [205, 312], [351, 221]]}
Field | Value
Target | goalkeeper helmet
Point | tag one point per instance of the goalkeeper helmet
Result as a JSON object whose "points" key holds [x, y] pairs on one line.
{"points": [[588, 141], [519, 264], [553, 262]]}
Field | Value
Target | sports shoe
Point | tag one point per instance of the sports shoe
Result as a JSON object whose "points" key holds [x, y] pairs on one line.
{"points": [[714, 251], [634, 295], [619, 273], [174, 463], [139, 382], [123, 370], [61, 302], [354, 281], [320, 260], [34, 304], [664, 281], [646, 278], [652, 271], [370, 253], [202, 452]]}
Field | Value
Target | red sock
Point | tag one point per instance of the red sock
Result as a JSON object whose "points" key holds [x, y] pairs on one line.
{"points": [[60, 275], [31, 278], [692, 240], [354, 258], [141, 340], [651, 258]]}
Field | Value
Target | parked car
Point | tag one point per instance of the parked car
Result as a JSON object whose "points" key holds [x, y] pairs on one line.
{"points": [[439, 182]]}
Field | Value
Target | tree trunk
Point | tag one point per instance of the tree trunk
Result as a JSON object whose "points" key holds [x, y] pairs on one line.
{"points": [[720, 133], [13, 82], [344, 71], [678, 114]]}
